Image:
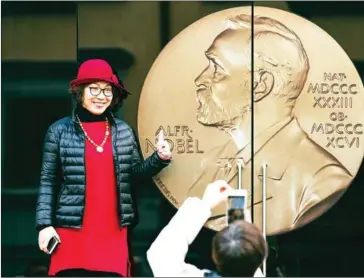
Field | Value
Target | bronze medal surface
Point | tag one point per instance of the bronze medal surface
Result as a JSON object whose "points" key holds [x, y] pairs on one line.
{"points": [[308, 114]]}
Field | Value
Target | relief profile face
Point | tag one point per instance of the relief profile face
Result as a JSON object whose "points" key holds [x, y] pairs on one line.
{"points": [[223, 87], [308, 121]]}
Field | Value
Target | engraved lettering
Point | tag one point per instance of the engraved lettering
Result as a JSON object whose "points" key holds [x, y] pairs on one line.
{"points": [[337, 116], [330, 143], [177, 129], [317, 128], [189, 144], [340, 128], [351, 90], [169, 131], [159, 129], [170, 142], [334, 88], [334, 76], [358, 126], [197, 149], [148, 145], [333, 102], [329, 128], [165, 190], [180, 146], [185, 129], [185, 145], [310, 88], [342, 142]]}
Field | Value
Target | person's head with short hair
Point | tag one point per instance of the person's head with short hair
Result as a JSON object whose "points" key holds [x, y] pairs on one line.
{"points": [[239, 249]]}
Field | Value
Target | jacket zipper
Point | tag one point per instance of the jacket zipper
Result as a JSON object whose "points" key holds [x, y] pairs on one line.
{"points": [[116, 168], [84, 168]]}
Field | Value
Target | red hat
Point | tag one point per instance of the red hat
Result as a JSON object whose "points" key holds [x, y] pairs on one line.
{"points": [[96, 70]]}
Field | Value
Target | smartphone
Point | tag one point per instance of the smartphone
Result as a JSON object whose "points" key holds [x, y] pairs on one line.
{"points": [[236, 205], [52, 244]]}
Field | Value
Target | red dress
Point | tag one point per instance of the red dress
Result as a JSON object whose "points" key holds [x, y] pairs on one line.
{"points": [[100, 245]]}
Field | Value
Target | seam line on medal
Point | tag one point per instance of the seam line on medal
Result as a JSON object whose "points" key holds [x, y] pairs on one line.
{"points": [[252, 110], [74, 103]]}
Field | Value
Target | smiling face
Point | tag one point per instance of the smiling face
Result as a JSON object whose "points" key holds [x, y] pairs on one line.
{"points": [[97, 97], [223, 87]]}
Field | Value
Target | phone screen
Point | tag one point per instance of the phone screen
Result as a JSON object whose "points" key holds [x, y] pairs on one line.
{"points": [[235, 209], [236, 202], [52, 244]]}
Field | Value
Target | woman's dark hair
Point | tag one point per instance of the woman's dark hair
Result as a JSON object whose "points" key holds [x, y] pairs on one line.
{"points": [[239, 249]]}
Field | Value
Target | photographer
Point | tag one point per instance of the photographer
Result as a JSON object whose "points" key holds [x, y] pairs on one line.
{"points": [[237, 250]]}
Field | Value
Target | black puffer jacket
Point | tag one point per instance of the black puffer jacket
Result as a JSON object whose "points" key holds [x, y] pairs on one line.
{"points": [[61, 204]]}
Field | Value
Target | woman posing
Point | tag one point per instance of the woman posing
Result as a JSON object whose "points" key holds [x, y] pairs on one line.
{"points": [[90, 165]]}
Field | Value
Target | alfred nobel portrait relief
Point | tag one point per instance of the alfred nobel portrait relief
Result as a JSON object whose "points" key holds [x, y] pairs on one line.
{"points": [[303, 179]]}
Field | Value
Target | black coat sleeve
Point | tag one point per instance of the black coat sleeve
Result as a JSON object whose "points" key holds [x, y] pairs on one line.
{"points": [[148, 168], [48, 179]]}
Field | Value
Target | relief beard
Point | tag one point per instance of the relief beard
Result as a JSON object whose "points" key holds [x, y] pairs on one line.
{"points": [[211, 114]]}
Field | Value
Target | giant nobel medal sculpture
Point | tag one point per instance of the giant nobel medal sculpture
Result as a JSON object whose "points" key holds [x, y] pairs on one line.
{"points": [[301, 102]]}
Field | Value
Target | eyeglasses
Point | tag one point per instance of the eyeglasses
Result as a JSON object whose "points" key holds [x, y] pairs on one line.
{"points": [[95, 91]]}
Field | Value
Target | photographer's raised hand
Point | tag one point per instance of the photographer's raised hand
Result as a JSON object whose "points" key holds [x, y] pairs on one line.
{"points": [[216, 192]]}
